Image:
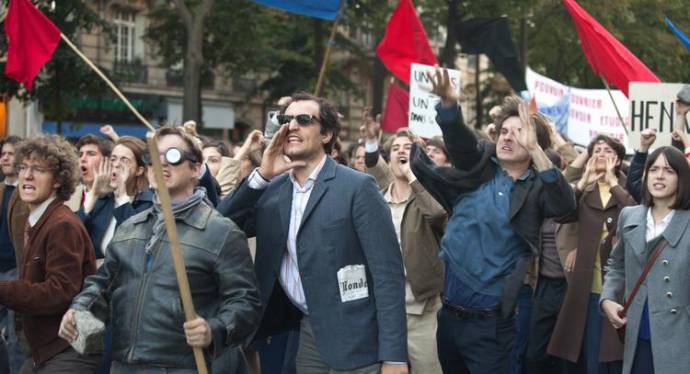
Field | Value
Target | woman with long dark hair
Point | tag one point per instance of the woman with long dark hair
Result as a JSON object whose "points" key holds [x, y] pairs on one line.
{"points": [[657, 338]]}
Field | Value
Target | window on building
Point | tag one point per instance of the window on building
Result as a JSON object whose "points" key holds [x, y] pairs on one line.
{"points": [[125, 27]]}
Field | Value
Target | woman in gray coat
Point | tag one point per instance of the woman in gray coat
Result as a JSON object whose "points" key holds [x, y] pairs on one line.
{"points": [[658, 321]]}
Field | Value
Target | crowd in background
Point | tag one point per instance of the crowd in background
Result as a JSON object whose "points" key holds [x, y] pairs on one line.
{"points": [[502, 250]]}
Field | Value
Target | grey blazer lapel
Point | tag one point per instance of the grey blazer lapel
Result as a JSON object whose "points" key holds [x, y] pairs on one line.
{"points": [[319, 189], [677, 227], [635, 228]]}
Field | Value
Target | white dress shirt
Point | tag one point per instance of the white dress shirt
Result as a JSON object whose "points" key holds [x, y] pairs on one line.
{"points": [[289, 271], [655, 229]]}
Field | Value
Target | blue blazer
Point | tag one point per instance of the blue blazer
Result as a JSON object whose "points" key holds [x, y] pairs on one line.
{"points": [[97, 221], [346, 222]]}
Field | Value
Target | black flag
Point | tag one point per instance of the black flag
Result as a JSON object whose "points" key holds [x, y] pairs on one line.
{"points": [[492, 37]]}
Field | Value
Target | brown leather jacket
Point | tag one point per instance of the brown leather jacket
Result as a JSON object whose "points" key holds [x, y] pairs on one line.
{"points": [[58, 257]]}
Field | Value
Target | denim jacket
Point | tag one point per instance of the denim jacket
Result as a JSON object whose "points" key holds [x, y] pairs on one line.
{"points": [[145, 307]]}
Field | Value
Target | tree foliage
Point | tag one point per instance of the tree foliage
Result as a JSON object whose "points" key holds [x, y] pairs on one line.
{"points": [[65, 75], [554, 47]]}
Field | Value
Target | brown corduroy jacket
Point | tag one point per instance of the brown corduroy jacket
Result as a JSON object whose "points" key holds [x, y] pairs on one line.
{"points": [[58, 257]]}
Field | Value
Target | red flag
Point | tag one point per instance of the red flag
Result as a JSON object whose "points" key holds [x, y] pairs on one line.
{"points": [[609, 57], [395, 114], [32, 39], [405, 42]]}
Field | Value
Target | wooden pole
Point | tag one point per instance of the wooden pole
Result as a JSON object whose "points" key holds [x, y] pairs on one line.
{"points": [[166, 206], [608, 89], [327, 55]]}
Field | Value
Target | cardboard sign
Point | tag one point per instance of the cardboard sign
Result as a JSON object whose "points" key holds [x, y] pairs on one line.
{"points": [[423, 103], [653, 105]]}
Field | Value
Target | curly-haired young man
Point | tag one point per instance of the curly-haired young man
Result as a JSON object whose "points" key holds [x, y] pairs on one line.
{"points": [[56, 258]]}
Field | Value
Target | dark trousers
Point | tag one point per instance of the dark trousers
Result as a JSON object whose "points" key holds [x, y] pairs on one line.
{"points": [[65, 362], [546, 304], [643, 362], [475, 345], [523, 317]]}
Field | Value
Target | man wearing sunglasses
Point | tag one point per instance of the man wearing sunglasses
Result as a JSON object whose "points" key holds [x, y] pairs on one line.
{"points": [[138, 277], [327, 256]]}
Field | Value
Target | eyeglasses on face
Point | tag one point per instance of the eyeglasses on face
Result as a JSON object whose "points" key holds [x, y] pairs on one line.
{"points": [[173, 156], [302, 119], [122, 160], [34, 169]]}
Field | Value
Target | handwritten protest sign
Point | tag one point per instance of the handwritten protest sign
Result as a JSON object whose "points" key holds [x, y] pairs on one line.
{"points": [[653, 105], [423, 103]]}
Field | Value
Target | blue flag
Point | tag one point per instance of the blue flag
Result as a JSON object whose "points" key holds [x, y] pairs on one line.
{"points": [[324, 9], [679, 33]]}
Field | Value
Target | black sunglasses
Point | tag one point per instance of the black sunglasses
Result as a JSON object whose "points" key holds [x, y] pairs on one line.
{"points": [[302, 119], [173, 156]]}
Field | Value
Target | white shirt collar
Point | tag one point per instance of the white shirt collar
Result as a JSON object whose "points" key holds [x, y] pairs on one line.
{"points": [[37, 213], [16, 181], [655, 229], [312, 177]]}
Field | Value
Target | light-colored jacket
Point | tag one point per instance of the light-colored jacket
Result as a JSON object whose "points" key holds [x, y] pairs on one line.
{"points": [[666, 289]]}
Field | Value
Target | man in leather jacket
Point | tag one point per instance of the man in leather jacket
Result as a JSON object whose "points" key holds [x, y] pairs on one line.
{"points": [[138, 277]]}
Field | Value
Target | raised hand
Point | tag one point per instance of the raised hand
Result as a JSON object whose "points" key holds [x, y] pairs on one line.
{"points": [[647, 138], [371, 127], [108, 131], [275, 161], [527, 135], [610, 175], [101, 178], [252, 143], [121, 181], [590, 176], [442, 87]]}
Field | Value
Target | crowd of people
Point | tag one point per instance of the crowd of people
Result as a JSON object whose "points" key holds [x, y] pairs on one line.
{"points": [[507, 250]]}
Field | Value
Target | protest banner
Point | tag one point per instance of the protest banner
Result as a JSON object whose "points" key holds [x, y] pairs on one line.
{"points": [[552, 98], [423, 103], [581, 114], [593, 113]]}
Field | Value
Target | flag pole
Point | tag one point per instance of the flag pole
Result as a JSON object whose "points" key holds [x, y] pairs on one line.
{"points": [[608, 89], [164, 197], [327, 54], [107, 81]]}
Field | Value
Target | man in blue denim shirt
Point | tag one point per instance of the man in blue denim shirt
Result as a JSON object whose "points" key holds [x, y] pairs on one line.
{"points": [[497, 196]]}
